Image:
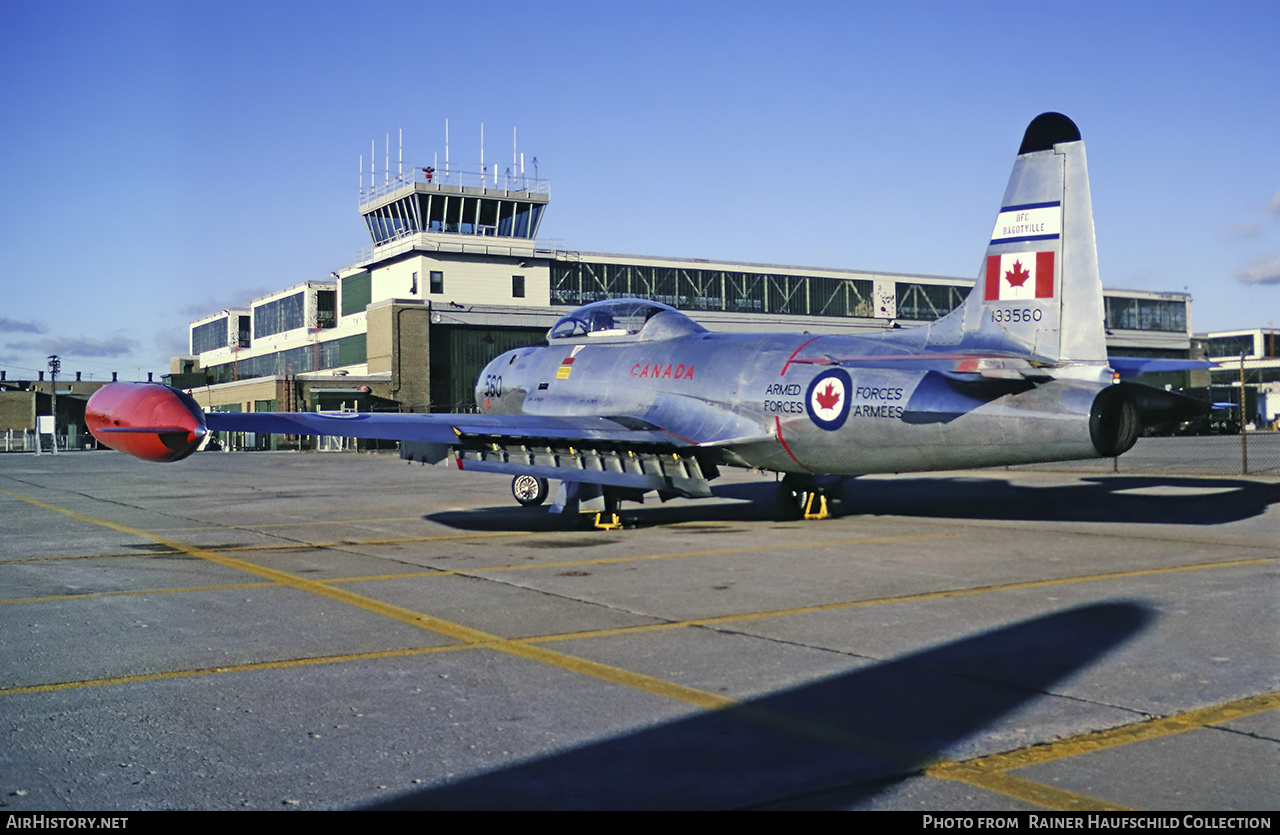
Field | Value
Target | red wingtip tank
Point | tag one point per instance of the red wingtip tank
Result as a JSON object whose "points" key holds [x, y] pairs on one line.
{"points": [[149, 421]]}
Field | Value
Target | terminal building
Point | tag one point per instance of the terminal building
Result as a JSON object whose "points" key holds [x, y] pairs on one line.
{"points": [[1248, 362], [455, 274]]}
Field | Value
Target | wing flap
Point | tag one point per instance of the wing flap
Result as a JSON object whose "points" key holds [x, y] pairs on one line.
{"points": [[674, 471]]}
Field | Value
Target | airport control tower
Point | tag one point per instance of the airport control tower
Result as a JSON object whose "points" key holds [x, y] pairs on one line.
{"points": [[489, 212], [451, 276]]}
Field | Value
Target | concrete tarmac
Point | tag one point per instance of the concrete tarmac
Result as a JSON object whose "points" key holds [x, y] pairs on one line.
{"points": [[317, 631]]}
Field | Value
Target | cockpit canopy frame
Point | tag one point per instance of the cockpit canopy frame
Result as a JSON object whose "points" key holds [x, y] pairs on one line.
{"points": [[623, 319]]}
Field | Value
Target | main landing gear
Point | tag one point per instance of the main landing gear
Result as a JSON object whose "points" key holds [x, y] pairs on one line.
{"points": [[803, 498], [602, 520], [595, 505], [529, 491]]}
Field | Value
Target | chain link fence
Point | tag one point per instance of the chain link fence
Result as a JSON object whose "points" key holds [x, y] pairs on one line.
{"points": [[25, 440], [1250, 453]]}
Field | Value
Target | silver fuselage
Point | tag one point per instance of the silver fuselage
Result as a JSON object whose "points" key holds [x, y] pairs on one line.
{"points": [[745, 394]]}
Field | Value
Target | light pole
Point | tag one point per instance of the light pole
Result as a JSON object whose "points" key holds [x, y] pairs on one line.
{"points": [[55, 365], [1244, 442]]}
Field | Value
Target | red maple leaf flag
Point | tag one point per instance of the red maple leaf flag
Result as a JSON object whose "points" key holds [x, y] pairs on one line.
{"points": [[827, 398], [1019, 276]]}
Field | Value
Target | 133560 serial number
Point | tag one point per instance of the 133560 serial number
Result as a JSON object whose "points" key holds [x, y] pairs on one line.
{"points": [[1016, 314]]}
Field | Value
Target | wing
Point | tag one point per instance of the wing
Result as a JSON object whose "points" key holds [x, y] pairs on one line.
{"points": [[618, 452], [158, 423]]}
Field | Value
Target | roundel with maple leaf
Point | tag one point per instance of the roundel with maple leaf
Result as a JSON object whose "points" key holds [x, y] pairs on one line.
{"points": [[827, 400]]}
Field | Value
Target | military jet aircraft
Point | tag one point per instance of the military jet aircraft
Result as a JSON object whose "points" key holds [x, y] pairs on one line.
{"points": [[630, 396]]}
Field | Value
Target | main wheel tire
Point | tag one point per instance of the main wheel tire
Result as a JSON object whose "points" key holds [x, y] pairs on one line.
{"points": [[529, 490], [791, 497]]}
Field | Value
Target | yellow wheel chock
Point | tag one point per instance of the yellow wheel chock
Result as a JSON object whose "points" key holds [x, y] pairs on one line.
{"points": [[815, 506]]}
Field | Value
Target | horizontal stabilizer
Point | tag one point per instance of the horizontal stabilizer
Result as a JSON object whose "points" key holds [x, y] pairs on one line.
{"points": [[1128, 367]]}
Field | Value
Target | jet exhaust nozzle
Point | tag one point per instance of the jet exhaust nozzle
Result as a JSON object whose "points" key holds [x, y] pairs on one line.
{"points": [[1114, 422]]}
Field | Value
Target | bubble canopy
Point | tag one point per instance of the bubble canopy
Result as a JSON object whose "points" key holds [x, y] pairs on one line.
{"points": [[617, 319]]}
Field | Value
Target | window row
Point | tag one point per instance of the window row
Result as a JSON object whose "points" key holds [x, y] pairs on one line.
{"points": [[279, 316], [583, 282], [217, 334], [1231, 346], [458, 213], [1167, 315], [350, 350], [927, 302]]}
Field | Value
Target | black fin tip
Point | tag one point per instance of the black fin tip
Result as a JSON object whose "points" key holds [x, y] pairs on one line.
{"points": [[1047, 130]]}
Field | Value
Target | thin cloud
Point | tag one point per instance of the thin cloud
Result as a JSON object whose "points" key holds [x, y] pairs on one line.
{"points": [[238, 299], [116, 346], [171, 342], [1274, 206], [1265, 270], [1242, 231], [14, 326]]}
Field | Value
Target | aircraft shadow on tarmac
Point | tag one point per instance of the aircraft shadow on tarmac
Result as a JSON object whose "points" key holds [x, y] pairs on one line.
{"points": [[832, 743], [1136, 499]]}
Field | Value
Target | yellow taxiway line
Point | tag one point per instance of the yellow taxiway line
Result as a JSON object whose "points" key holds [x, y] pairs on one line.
{"points": [[991, 772]]}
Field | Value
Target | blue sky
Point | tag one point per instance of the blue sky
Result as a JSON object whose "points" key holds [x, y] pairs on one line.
{"points": [[163, 160]]}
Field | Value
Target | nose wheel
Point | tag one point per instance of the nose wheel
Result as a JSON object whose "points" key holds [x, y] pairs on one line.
{"points": [[529, 491]]}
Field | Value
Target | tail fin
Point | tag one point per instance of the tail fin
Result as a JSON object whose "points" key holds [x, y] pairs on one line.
{"points": [[1038, 292]]}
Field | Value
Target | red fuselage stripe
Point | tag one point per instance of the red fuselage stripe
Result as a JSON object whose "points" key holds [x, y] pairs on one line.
{"points": [[778, 422], [788, 362], [901, 357]]}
